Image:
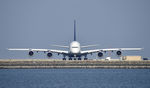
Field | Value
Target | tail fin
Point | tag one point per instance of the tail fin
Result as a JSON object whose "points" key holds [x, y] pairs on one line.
{"points": [[74, 30]]}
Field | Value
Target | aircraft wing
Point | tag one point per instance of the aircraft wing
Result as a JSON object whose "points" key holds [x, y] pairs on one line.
{"points": [[39, 50], [111, 49]]}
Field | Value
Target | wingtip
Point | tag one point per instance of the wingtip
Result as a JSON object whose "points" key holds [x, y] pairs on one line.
{"points": [[7, 48]]}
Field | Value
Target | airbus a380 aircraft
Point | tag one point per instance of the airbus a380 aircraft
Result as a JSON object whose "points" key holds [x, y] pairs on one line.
{"points": [[75, 50]]}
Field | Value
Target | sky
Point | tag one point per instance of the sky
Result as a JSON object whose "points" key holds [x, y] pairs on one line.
{"points": [[42, 23]]}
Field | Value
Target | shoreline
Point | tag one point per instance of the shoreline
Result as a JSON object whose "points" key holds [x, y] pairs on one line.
{"points": [[61, 64]]}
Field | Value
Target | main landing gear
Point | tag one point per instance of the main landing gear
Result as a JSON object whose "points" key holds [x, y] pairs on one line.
{"points": [[85, 58], [64, 58], [79, 58]]}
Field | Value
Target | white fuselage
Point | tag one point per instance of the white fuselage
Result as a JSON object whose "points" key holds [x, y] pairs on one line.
{"points": [[75, 47]]}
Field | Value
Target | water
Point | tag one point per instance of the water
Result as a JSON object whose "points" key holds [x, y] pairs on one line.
{"points": [[74, 78]]}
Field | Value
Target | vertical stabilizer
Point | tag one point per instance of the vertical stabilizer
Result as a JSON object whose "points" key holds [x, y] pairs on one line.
{"points": [[74, 30]]}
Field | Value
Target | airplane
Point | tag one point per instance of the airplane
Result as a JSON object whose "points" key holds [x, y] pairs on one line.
{"points": [[75, 50]]}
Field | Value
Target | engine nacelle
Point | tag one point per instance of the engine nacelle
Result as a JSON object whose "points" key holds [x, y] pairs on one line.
{"points": [[100, 54], [118, 53], [49, 54], [31, 53]]}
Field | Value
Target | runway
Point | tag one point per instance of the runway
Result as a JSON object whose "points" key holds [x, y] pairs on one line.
{"points": [[58, 63]]}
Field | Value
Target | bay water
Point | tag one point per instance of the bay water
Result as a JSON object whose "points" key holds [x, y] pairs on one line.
{"points": [[74, 78]]}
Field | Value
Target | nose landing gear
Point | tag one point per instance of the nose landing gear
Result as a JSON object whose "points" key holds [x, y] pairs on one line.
{"points": [[70, 58]]}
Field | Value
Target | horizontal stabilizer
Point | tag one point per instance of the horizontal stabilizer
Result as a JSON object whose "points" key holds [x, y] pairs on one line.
{"points": [[89, 46], [61, 46]]}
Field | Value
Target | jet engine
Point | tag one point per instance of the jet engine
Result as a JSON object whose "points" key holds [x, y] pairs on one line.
{"points": [[100, 54], [49, 54], [31, 53], [118, 53]]}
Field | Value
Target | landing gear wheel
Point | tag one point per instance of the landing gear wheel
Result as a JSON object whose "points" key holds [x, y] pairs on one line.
{"points": [[64, 58], [31, 53], [70, 58], [79, 58], [85, 58]]}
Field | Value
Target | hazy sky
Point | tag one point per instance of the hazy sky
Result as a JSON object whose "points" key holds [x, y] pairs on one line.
{"points": [[42, 23]]}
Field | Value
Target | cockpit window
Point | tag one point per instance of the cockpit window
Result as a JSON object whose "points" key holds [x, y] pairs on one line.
{"points": [[74, 47]]}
